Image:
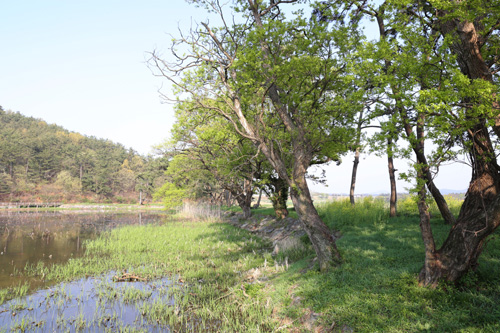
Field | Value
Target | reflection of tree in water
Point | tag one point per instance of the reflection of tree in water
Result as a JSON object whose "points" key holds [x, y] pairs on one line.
{"points": [[55, 237]]}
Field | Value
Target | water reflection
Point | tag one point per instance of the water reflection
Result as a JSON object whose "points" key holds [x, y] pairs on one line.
{"points": [[90, 304], [54, 237]]}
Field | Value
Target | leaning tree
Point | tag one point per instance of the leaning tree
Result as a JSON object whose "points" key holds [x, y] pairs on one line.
{"points": [[282, 85]]}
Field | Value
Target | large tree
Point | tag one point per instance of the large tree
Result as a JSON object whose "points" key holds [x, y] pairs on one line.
{"points": [[470, 31], [281, 83], [439, 78]]}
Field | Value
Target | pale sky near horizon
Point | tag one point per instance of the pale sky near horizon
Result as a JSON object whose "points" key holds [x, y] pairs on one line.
{"points": [[82, 65]]}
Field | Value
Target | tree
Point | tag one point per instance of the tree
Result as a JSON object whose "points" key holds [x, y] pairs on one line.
{"points": [[282, 86], [470, 32], [212, 143], [439, 60]]}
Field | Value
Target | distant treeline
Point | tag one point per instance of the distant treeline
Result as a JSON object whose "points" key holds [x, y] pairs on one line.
{"points": [[45, 162]]}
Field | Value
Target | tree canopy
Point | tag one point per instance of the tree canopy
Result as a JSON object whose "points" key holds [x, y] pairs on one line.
{"points": [[299, 84]]}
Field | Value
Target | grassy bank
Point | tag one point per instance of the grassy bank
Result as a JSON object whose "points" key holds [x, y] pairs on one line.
{"points": [[220, 278], [205, 265]]}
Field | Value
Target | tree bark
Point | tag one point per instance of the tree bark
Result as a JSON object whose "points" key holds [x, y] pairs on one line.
{"points": [[353, 176], [320, 235], [257, 205], [356, 159], [392, 179], [279, 197]]}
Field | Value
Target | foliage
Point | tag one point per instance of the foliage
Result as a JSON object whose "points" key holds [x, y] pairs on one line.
{"points": [[171, 195], [36, 157]]}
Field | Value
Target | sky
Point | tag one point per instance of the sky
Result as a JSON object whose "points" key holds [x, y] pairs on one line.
{"points": [[83, 65]]}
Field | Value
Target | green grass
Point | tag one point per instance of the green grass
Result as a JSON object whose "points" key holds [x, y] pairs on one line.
{"points": [[374, 290], [207, 262]]}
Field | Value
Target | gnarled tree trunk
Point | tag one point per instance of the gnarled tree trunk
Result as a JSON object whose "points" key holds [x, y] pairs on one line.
{"points": [[478, 218]]}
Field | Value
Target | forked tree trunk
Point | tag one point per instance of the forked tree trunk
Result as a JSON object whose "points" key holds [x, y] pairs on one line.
{"points": [[320, 235], [478, 218], [392, 179]]}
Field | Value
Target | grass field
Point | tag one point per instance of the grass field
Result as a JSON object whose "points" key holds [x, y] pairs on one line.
{"points": [[224, 279]]}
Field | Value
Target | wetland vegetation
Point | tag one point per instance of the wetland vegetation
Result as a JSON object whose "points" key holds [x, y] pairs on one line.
{"points": [[206, 275]]}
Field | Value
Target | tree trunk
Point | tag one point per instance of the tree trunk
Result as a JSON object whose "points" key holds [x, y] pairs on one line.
{"points": [[356, 159], [478, 218], [480, 213], [320, 235], [279, 197], [243, 195], [392, 179], [245, 207], [422, 160], [427, 237], [353, 177], [440, 201], [257, 205]]}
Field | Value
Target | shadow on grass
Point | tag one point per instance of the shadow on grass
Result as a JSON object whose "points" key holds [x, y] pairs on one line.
{"points": [[376, 289]]}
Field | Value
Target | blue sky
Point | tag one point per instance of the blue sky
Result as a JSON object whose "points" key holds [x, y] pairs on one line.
{"points": [[82, 65]]}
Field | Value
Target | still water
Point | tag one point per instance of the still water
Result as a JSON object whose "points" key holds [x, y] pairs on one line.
{"points": [[88, 304], [54, 237]]}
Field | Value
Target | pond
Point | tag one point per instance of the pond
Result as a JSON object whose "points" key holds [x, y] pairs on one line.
{"points": [[54, 237], [92, 303]]}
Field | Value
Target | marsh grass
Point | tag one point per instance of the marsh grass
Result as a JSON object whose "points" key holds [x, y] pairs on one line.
{"points": [[200, 211], [204, 262]]}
